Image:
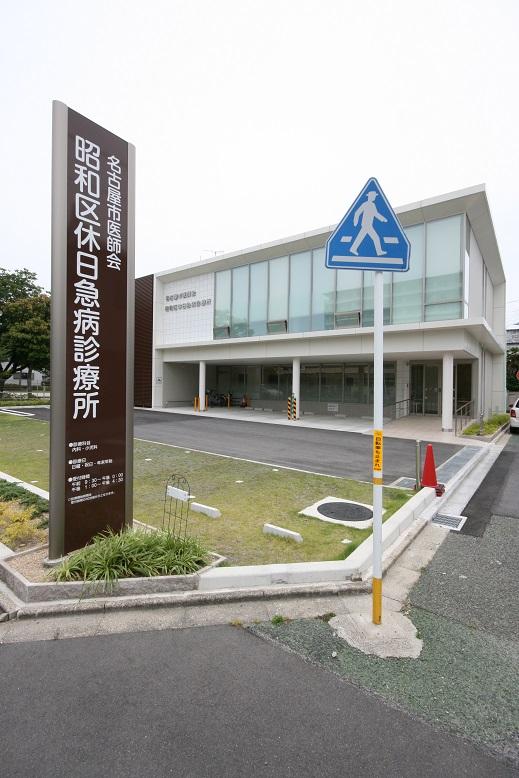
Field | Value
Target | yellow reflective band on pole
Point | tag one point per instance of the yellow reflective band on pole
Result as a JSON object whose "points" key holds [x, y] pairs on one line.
{"points": [[378, 450], [377, 600], [378, 481]]}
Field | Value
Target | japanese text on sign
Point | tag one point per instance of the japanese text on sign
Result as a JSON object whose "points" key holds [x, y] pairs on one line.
{"points": [[377, 450], [86, 314]]}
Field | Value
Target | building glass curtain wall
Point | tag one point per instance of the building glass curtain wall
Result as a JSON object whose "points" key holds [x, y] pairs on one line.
{"points": [[444, 279], [299, 308], [408, 287], [298, 293], [259, 279], [350, 384]]}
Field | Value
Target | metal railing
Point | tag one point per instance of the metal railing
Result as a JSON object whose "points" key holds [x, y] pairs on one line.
{"points": [[397, 410], [463, 415]]}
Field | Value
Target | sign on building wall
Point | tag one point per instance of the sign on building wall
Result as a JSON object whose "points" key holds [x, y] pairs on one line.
{"points": [[184, 311], [91, 468]]}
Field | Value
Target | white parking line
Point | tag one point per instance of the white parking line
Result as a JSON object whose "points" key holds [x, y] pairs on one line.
{"points": [[15, 413], [242, 459]]}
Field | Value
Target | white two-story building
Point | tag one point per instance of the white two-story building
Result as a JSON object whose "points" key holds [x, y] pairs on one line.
{"points": [[272, 320]]}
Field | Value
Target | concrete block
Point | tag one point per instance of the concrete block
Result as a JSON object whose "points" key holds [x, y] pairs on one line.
{"points": [[272, 529], [177, 494], [207, 510], [245, 576], [395, 637], [5, 551]]}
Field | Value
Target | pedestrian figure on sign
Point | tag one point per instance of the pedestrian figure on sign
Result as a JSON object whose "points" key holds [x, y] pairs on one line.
{"points": [[368, 211]]}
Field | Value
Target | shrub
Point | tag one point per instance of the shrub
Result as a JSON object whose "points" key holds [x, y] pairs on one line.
{"points": [[128, 554], [489, 426], [16, 526], [9, 492]]}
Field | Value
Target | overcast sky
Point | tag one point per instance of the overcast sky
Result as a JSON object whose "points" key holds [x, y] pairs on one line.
{"points": [[257, 119]]}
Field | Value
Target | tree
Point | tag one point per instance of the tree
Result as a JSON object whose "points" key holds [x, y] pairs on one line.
{"points": [[512, 366], [24, 325], [17, 285]]}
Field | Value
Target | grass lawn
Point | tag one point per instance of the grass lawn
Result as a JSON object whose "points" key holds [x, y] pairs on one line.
{"points": [[265, 495], [15, 403]]}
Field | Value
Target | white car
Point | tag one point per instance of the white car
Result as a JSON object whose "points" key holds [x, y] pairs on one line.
{"points": [[514, 416]]}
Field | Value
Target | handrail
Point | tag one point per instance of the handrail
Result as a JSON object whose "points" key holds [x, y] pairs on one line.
{"points": [[463, 414], [401, 409]]}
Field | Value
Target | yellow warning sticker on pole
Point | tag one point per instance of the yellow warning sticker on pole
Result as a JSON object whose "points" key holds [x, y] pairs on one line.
{"points": [[378, 448]]}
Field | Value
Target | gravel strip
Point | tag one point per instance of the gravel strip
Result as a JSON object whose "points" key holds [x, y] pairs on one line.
{"points": [[476, 580], [465, 681]]}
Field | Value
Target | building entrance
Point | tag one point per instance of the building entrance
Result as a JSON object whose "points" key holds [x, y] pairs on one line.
{"points": [[426, 389]]}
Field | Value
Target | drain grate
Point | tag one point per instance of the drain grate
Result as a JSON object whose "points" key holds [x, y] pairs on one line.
{"points": [[404, 483], [449, 521]]}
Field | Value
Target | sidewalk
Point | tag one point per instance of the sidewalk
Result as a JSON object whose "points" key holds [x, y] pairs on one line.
{"points": [[409, 428]]}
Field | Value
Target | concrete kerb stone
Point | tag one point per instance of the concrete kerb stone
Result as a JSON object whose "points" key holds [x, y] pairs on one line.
{"points": [[30, 592], [24, 485], [186, 599]]}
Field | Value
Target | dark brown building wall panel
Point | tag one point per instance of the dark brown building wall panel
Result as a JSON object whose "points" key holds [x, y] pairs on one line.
{"points": [[143, 341]]}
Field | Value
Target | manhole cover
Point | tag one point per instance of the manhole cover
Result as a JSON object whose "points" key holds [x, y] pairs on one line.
{"points": [[345, 511]]}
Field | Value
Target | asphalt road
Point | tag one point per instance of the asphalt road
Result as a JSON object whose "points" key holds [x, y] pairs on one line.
{"points": [[474, 577], [204, 703], [498, 494], [331, 452]]}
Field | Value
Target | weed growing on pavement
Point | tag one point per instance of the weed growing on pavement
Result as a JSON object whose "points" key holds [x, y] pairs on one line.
{"points": [[326, 617], [279, 619]]}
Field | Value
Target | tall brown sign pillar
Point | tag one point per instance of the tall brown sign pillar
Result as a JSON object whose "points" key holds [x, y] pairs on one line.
{"points": [[92, 311]]}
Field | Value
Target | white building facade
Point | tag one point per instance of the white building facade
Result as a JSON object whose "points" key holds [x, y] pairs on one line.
{"points": [[272, 321]]}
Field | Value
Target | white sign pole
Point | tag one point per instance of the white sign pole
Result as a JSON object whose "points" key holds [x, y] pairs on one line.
{"points": [[378, 431]]}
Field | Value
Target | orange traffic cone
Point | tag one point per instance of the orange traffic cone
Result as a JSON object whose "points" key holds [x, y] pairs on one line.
{"points": [[429, 472]]}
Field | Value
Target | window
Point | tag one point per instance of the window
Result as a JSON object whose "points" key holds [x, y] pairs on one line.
{"points": [[355, 383], [258, 298], [222, 304], [367, 298], [408, 287], [348, 298], [443, 282], [331, 383], [240, 302], [278, 289], [299, 299], [310, 382], [323, 293]]}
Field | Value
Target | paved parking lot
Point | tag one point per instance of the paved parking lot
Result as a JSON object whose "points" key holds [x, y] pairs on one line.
{"points": [[331, 452]]}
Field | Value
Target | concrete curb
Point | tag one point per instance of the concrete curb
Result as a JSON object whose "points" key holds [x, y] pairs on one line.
{"points": [[24, 485], [352, 568], [180, 599], [30, 592]]}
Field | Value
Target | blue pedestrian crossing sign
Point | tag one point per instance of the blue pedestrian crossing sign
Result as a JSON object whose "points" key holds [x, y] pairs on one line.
{"points": [[369, 237]]}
